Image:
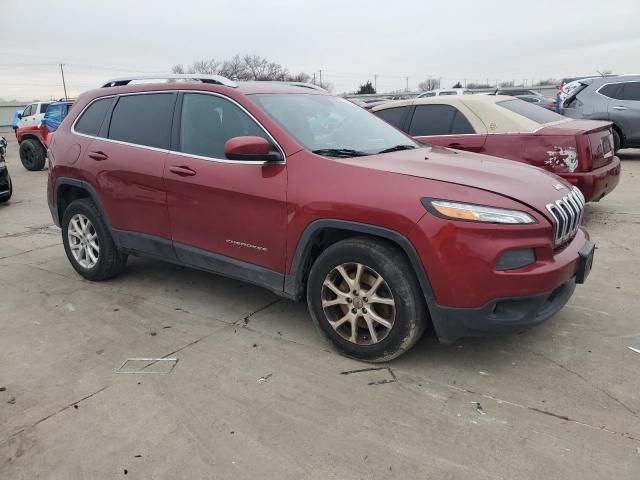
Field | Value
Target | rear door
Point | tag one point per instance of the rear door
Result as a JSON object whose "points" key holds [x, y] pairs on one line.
{"points": [[445, 125], [125, 164], [224, 209], [624, 110]]}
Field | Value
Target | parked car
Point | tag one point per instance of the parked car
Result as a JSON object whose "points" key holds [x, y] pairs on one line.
{"points": [[34, 138], [6, 187], [581, 152], [544, 102], [445, 91], [615, 99], [377, 231]]}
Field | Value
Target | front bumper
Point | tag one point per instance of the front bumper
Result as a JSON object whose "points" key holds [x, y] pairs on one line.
{"points": [[500, 316], [597, 183]]}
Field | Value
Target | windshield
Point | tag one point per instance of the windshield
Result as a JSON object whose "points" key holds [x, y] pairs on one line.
{"points": [[323, 122]]}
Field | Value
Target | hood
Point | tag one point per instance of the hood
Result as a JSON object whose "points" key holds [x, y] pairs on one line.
{"points": [[523, 183]]}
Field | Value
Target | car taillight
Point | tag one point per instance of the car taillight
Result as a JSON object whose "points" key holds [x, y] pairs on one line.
{"points": [[584, 153]]}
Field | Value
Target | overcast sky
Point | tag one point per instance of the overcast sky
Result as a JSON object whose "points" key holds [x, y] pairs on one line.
{"points": [[350, 40]]}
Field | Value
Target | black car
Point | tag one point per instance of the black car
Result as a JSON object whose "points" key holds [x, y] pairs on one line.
{"points": [[5, 180]]}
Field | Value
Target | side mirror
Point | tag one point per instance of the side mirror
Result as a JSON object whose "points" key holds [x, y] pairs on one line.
{"points": [[250, 148], [19, 116]]}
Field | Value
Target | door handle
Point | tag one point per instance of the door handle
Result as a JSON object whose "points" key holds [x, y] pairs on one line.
{"points": [[98, 156], [182, 170], [619, 107]]}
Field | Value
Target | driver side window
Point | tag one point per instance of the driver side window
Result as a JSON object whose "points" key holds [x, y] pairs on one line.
{"points": [[28, 111], [208, 121]]}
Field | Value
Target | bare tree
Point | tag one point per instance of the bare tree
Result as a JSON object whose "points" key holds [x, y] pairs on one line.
{"points": [[246, 67], [429, 84], [507, 84]]}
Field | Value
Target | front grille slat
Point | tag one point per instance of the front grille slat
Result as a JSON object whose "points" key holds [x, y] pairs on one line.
{"points": [[567, 215]]}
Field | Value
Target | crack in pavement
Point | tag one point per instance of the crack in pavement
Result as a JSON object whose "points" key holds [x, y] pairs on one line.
{"points": [[543, 412], [33, 230], [29, 251], [245, 319], [602, 390], [44, 419]]}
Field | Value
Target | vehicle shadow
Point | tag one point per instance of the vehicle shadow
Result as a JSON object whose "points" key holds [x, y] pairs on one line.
{"points": [[629, 154]]}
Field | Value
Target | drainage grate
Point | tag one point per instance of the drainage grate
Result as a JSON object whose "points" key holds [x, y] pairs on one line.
{"points": [[148, 365]]}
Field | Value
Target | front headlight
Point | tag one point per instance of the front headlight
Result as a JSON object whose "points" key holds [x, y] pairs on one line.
{"points": [[476, 213]]}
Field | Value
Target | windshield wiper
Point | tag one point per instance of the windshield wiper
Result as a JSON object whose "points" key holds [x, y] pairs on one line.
{"points": [[340, 152], [397, 148]]}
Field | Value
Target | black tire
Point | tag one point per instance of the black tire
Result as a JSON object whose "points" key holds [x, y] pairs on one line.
{"points": [[32, 155], [110, 260], [6, 198], [387, 260], [617, 141]]}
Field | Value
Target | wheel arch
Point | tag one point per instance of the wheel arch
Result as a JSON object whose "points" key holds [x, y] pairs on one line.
{"points": [[620, 132], [323, 233], [69, 189], [30, 136]]}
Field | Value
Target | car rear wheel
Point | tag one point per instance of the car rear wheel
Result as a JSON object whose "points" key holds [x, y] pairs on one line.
{"points": [[32, 155], [616, 141], [88, 243], [363, 296]]}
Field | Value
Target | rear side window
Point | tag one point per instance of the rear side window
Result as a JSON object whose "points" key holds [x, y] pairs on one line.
{"points": [[432, 120], [461, 125], [613, 90], [530, 111], [44, 107], [447, 93], [208, 121], [91, 119], [631, 91], [143, 119], [393, 116]]}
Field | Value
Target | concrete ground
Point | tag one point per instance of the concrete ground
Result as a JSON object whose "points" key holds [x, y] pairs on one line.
{"points": [[257, 394]]}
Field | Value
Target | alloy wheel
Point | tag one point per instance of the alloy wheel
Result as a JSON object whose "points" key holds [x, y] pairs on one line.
{"points": [[83, 241], [358, 303]]}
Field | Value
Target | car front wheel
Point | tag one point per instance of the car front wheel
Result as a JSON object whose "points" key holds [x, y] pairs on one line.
{"points": [[32, 155], [364, 297]]}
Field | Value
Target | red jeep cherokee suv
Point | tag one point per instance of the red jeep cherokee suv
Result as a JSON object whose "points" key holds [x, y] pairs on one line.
{"points": [[308, 195]]}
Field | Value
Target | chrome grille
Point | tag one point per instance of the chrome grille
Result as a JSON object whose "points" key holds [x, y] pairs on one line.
{"points": [[567, 215]]}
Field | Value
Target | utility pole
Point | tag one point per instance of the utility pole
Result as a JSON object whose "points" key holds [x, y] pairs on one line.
{"points": [[407, 87], [314, 78], [321, 78], [375, 82], [64, 85]]}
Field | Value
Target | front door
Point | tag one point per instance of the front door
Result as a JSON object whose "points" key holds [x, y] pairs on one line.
{"points": [[222, 211]]}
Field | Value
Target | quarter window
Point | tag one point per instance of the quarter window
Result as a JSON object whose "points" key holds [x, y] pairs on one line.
{"points": [[143, 119], [461, 125], [91, 120], [208, 121], [631, 91], [393, 116]]}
